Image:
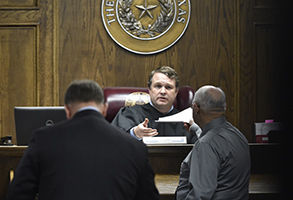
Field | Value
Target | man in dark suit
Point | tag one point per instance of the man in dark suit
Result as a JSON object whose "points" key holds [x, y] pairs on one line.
{"points": [[84, 157]]}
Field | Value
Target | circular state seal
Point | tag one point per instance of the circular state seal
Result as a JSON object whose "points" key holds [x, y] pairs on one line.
{"points": [[145, 26]]}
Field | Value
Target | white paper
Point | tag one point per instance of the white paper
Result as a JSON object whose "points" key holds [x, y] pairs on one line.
{"points": [[183, 116], [165, 140]]}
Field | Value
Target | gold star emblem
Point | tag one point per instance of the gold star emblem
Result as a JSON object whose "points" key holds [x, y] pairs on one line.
{"points": [[145, 9]]}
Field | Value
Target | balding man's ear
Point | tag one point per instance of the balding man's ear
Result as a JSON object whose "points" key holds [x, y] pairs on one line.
{"points": [[195, 107]]}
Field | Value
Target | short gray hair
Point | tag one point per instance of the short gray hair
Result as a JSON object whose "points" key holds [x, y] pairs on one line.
{"points": [[210, 98]]}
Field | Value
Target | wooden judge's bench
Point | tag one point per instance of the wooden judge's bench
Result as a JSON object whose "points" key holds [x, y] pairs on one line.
{"points": [[166, 161]]}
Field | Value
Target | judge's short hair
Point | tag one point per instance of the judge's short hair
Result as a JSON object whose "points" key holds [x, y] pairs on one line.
{"points": [[210, 98], [168, 71], [83, 91]]}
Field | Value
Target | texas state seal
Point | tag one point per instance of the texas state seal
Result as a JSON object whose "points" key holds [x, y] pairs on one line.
{"points": [[146, 26]]}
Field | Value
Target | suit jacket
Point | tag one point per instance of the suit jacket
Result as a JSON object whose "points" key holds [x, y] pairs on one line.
{"points": [[84, 158]]}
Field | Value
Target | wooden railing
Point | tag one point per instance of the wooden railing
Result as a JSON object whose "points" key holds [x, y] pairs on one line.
{"points": [[166, 160]]}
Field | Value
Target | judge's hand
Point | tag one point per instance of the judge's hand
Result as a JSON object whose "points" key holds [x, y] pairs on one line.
{"points": [[142, 130]]}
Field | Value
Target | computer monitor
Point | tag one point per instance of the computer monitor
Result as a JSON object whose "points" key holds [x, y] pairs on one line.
{"points": [[28, 119]]}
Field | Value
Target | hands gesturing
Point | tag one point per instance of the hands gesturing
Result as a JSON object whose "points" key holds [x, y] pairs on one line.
{"points": [[142, 130]]}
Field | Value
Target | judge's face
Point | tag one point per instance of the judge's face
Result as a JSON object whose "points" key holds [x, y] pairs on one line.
{"points": [[162, 92]]}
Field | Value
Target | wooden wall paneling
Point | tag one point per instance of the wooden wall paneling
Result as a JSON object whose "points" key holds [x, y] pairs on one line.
{"points": [[247, 107], [26, 58], [82, 50], [18, 72], [47, 69], [260, 52], [210, 50], [267, 53], [18, 3], [268, 26]]}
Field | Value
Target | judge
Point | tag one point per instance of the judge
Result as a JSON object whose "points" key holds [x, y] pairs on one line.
{"points": [[139, 120]]}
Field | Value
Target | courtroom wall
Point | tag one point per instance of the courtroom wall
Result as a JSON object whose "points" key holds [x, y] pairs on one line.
{"points": [[44, 45]]}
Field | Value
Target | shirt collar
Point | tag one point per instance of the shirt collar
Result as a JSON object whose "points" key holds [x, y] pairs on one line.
{"points": [[214, 123], [89, 108]]}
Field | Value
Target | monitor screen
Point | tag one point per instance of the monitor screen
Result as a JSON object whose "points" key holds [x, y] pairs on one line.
{"points": [[28, 119]]}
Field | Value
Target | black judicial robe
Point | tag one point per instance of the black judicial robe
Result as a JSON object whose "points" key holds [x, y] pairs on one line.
{"points": [[129, 117]]}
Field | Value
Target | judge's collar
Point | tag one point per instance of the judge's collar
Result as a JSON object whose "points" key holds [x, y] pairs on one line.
{"points": [[172, 107]]}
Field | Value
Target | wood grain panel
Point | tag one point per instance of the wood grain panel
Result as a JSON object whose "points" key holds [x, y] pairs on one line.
{"points": [[18, 3], [264, 3], [210, 46], [247, 78], [19, 16], [46, 41], [18, 71], [268, 78], [260, 24], [27, 58]]}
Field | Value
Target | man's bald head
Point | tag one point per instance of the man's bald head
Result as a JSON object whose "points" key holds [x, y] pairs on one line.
{"points": [[210, 98]]}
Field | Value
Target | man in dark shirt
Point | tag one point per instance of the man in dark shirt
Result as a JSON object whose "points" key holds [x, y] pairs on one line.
{"points": [[139, 120], [84, 157], [218, 167]]}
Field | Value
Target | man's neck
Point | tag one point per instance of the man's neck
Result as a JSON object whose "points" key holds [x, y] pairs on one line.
{"points": [[162, 110], [208, 117], [76, 107]]}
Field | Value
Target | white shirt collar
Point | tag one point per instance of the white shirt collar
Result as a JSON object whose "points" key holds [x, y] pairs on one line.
{"points": [[89, 108]]}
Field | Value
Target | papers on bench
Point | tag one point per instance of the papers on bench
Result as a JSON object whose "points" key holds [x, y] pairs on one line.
{"points": [[183, 116], [165, 140]]}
